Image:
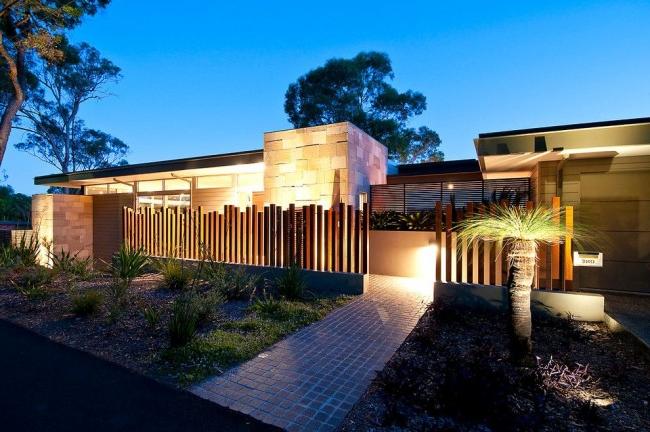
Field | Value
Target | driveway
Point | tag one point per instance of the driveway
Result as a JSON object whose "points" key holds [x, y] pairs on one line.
{"points": [[45, 386]]}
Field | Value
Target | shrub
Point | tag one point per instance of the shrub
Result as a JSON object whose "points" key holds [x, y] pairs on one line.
{"points": [[234, 284], [8, 258], [292, 283], [129, 263], [152, 316], [242, 285], [71, 264], [417, 221], [23, 253], [32, 282], [385, 220], [176, 276], [26, 250], [184, 321], [207, 303], [216, 273], [86, 303]]}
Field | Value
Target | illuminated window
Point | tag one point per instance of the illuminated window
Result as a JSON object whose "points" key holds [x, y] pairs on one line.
{"points": [[156, 202], [96, 190], [150, 186], [210, 182], [177, 184], [119, 188]]}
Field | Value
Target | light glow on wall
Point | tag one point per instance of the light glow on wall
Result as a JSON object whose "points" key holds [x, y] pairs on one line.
{"points": [[426, 262]]}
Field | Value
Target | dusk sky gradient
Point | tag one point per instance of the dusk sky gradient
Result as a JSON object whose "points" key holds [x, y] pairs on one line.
{"points": [[207, 77]]}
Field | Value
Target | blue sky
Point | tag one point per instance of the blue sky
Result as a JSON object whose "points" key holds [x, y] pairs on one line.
{"points": [[207, 78]]}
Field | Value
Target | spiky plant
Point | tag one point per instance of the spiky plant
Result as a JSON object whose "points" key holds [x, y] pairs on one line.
{"points": [[521, 231]]}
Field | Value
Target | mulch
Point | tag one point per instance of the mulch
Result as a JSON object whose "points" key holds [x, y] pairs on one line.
{"points": [[455, 372], [129, 341]]}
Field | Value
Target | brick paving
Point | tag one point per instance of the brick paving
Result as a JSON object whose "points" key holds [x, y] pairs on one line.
{"points": [[310, 380]]}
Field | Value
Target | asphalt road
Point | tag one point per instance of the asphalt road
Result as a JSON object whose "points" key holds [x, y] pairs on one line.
{"points": [[45, 386]]}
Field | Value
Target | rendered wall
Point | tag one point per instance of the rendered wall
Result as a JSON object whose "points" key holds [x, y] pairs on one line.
{"points": [[321, 165], [612, 196], [403, 253], [65, 222]]}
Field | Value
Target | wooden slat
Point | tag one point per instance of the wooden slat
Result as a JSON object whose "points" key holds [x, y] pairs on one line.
{"points": [[349, 237], [453, 245], [568, 258], [357, 242], [438, 228], [498, 263], [555, 248], [341, 241], [487, 254], [320, 259], [278, 236], [267, 236]]}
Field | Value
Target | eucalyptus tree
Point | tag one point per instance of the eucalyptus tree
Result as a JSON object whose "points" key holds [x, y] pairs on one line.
{"points": [[358, 90], [32, 31], [55, 133]]}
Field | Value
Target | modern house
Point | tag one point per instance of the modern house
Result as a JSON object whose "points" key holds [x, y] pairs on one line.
{"points": [[602, 169]]}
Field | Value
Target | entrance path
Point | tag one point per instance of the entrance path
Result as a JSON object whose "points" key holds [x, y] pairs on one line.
{"points": [[310, 380]]}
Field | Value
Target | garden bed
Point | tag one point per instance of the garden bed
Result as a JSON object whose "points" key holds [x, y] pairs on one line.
{"points": [[229, 332], [455, 372]]}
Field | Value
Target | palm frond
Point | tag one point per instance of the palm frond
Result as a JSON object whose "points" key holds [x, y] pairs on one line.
{"points": [[509, 224]]}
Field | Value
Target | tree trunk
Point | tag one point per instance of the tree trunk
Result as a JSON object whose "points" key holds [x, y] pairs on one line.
{"points": [[522, 270], [15, 69]]}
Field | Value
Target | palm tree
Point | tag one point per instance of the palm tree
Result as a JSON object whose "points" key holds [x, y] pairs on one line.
{"points": [[520, 231]]}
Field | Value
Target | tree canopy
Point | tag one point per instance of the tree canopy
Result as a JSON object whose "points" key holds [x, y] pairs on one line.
{"points": [[32, 30], [14, 206], [50, 116], [358, 90]]}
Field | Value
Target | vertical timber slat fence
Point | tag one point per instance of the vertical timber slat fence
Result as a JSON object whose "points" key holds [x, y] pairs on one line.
{"points": [[485, 262], [334, 240]]}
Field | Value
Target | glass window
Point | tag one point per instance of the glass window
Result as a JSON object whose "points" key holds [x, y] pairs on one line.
{"points": [[177, 184], [96, 190], [154, 202], [182, 200], [150, 186], [209, 182], [119, 188]]}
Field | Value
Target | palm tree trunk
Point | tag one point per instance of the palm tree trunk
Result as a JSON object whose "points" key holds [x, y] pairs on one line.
{"points": [[522, 270]]}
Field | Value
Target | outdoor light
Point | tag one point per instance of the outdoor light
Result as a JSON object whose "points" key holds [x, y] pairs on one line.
{"points": [[450, 186]]}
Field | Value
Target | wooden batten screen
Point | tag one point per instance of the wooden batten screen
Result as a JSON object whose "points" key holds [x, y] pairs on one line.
{"points": [[315, 238], [485, 262]]}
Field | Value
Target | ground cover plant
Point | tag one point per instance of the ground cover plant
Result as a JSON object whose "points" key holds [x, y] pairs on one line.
{"points": [[455, 372]]}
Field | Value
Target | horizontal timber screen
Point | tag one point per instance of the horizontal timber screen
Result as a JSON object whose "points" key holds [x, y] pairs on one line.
{"points": [[315, 238], [413, 197], [485, 262]]}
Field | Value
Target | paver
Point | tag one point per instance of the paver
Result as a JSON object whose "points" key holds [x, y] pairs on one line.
{"points": [[310, 380]]}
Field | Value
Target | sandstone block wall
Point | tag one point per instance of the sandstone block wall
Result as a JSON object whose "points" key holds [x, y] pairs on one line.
{"points": [[321, 165], [65, 222]]}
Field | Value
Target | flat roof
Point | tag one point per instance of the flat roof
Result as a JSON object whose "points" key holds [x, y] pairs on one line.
{"points": [[442, 167], [198, 162], [565, 127]]}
